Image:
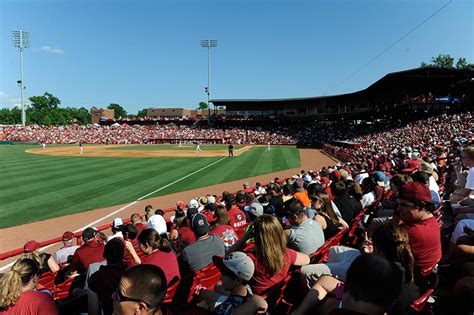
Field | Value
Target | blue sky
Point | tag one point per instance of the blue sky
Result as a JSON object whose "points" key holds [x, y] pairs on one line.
{"points": [[144, 54]]}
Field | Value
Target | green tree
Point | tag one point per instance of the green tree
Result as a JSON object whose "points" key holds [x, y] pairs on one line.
{"points": [[202, 105], [446, 61], [119, 111], [83, 116], [142, 113], [443, 61], [463, 64], [48, 100]]}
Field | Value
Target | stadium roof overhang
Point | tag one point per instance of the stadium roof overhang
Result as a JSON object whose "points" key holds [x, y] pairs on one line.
{"points": [[387, 89]]}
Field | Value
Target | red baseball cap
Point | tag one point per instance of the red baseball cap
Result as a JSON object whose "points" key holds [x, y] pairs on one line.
{"points": [[415, 192], [325, 180], [31, 246], [411, 165], [68, 235]]}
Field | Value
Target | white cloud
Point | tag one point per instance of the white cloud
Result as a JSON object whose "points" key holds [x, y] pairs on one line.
{"points": [[50, 49], [12, 102]]}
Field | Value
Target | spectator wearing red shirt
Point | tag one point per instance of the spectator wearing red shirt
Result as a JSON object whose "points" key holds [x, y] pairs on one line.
{"points": [[88, 253], [18, 291], [247, 188], [414, 205], [237, 217], [181, 234], [222, 228], [159, 253], [271, 257], [138, 222], [130, 233]]}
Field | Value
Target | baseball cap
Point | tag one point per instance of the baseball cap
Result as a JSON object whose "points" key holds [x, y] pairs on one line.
{"points": [[236, 263], [211, 199], [199, 224], [240, 198], [411, 165], [67, 236], [415, 192], [88, 233], [255, 208], [117, 222], [158, 223], [307, 178], [299, 186], [230, 198], [325, 180], [31, 246], [181, 205], [193, 203], [426, 168], [379, 177]]}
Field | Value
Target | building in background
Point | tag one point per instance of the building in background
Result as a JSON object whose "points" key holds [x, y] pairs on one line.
{"points": [[98, 113]]}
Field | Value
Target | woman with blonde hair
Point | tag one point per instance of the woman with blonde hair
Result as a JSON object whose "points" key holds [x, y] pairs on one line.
{"points": [[326, 216], [271, 257], [17, 291]]}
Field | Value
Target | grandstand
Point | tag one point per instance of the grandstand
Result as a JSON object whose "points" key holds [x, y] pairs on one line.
{"points": [[412, 124]]}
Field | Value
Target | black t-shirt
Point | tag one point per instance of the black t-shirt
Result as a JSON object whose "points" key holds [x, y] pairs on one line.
{"points": [[348, 206], [409, 293], [331, 228]]}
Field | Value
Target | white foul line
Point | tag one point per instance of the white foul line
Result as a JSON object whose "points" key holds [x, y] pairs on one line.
{"points": [[130, 204]]}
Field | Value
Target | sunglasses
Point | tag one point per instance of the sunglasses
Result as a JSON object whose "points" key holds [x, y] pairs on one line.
{"points": [[122, 298]]}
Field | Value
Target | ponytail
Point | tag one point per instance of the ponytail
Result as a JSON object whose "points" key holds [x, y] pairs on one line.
{"points": [[151, 238], [15, 279], [164, 245]]}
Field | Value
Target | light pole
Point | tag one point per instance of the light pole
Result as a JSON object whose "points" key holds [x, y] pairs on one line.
{"points": [[21, 40], [208, 43]]}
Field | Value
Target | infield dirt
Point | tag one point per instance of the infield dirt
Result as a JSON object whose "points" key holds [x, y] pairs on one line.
{"points": [[104, 151]]}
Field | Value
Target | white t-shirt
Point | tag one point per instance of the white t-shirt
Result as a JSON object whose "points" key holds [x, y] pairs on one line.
{"points": [[470, 179], [360, 177], [470, 182], [368, 199]]}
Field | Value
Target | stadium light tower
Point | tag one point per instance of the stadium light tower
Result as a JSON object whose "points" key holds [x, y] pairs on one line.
{"points": [[208, 43], [21, 40]]}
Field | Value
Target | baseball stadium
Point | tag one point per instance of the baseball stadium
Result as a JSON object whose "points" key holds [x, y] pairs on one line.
{"points": [[354, 203]]}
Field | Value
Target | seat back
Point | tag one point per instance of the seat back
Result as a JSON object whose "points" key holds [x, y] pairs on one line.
{"points": [[46, 281], [273, 295], [172, 288], [430, 283], [207, 277], [321, 255]]}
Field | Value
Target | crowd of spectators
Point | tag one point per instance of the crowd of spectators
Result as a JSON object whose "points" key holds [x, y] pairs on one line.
{"points": [[390, 193], [140, 134]]}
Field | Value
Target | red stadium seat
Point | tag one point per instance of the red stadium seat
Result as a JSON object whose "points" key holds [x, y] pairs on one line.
{"points": [[207, 277], [431, 282], [46, 282], [173, 286], [62, 291]]}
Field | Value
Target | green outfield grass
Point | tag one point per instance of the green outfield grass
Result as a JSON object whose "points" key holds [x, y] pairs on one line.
{"points": [[36, 187], [204, 147]]}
